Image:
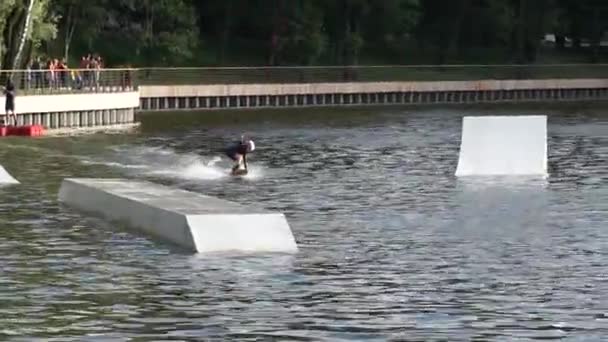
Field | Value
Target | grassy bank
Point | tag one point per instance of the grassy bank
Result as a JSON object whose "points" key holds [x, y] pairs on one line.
{"points": [[244, 75]]}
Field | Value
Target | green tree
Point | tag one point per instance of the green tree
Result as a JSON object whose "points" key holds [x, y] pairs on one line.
{"points": [[138, 32], [221, 32], [13, 17], [581, 20], [304, 40], [441, 26], [535, 18], [80, 22], [389, 24], [159, 32]]}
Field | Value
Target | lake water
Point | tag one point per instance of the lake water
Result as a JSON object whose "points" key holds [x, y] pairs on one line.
{"points": [[392, 245]]}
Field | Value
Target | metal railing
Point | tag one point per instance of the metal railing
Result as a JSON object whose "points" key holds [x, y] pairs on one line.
{"points": [[117, 80], [245, 75], [69, 81]]}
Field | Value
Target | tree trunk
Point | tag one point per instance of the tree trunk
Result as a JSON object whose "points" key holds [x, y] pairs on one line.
{"points": [[453, 42], [28, 50], [560, 41], [148, 58], [521, 32], [596, 36], [9, 37], [69, 33], [345, 54], [274, 35], [226, 26], [24, 33], [449, 34], [357, 48]]}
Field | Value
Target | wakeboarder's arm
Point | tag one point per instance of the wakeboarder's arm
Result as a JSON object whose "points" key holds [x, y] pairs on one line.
{"points": [[245, 160]]}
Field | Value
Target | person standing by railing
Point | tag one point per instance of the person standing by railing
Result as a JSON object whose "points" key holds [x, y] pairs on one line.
{"points": [[82, 75], [9, 104], [96, 66], [51, 73], [126, 78], [75, 79], [28, 77], [82, 71], [57, 72], [62, 68], [37, 70], [91, 66], [100, 66]]}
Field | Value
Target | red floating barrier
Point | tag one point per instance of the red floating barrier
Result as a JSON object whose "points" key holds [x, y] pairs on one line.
{"points": [[27, 131], [13, 130]]}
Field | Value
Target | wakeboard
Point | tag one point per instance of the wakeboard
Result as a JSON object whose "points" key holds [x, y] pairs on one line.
{"points": [[239, 172]]}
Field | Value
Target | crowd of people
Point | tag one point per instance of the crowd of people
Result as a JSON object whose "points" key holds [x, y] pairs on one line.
{"points": [[55, 73]]}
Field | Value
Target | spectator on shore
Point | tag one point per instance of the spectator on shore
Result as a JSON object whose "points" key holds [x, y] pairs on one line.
{"points": [[55, 73], [50, 66], [126, 78], [9, 105], [62, 68], [96, 66], [28, 77], [90, 70], [37, 70], [83, 74]]}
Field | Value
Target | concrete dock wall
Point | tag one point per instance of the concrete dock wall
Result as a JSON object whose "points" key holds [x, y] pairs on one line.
{"points": [[60, 111], [101, 110], [163, 97]]}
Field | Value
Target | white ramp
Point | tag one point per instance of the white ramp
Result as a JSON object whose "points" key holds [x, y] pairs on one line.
{"points": [[503, 145], [6, 178], [196, 222]]}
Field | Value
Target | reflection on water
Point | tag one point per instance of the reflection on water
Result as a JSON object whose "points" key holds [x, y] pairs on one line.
{"points": [[392, 245]]}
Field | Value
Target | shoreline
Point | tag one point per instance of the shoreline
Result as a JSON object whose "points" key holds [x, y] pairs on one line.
{"points": [[247, 96], [64, 114], [380, 106], [117, 128]]}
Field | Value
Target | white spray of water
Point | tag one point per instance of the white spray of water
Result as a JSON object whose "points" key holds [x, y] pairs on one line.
{"points": [[189, 168], [159, 162], [87, 161], [165, 162]]}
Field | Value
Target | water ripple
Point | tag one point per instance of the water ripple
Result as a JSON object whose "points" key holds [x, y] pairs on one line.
{"points": [[392, 245]]}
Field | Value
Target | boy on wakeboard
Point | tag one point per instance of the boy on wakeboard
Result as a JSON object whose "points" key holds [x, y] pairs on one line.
{"points": [[238, 153]]}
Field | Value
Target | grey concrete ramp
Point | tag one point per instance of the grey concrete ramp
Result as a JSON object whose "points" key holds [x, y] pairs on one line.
{"points": [[194, 221], [6, 178], [503, 146]]}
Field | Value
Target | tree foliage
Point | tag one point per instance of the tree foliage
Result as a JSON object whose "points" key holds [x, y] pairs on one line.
{"points": [[13, 15], [302, 32]]}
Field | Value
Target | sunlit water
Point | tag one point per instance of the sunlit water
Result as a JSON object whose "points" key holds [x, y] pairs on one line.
{"points": [[392, 245]]}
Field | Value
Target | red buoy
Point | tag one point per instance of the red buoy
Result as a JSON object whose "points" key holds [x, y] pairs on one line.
{"points": [[26, 131]]}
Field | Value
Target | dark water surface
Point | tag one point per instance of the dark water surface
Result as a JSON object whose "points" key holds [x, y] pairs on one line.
{"points": [[392, 245]]}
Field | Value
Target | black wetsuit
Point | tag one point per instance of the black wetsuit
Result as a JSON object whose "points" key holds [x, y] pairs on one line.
{"points": [[238, 148], [9, 92]]}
